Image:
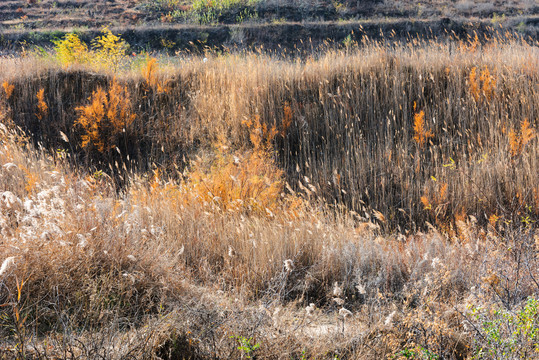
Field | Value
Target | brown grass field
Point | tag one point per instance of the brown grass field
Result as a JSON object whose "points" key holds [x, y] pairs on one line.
{"points": [[375, 200]]}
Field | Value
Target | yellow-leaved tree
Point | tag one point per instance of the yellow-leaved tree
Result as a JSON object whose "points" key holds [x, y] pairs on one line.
{"points": [[109, 50], [71, 50]]}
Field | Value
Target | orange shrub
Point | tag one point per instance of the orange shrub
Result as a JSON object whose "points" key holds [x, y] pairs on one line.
{"points": [[475, 88], [489, 83], [484, 85], [421, 134], [287, 119], [518, 140], [42, 107], [8, 89], [151, 77], [106, 116], [250, 183]]}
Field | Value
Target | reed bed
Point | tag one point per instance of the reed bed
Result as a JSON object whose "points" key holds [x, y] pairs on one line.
{"points": [[371, 202], [348, 121]]}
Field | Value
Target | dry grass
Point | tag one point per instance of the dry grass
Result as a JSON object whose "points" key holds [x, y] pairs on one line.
{"points": [[241, 241], [376, 128]]}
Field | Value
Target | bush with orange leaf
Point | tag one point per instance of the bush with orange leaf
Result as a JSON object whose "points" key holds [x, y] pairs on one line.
{"points": [[519, 139], [421, 134], [106, 116], [150, 74], [8, 89], [42, 108], [287, 119], [484, 86], [246, 182]]}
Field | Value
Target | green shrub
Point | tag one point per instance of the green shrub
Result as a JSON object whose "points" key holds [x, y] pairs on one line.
{"points": [[504, 334]]}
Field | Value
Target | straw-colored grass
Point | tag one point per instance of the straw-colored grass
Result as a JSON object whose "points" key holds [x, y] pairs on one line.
{"points": [[274, 199]]}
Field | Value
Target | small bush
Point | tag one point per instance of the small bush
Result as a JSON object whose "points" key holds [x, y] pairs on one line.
{"points": [[71, 50], [108, 51], [504, 334], [106, 116]]}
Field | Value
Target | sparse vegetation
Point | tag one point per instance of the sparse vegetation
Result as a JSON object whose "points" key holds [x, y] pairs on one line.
{"points": [[377, 201]]}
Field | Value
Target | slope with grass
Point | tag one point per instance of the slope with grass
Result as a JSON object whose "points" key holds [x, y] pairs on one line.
{"points": [[417, 134]]}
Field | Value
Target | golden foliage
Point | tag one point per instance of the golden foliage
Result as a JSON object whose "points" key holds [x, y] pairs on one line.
{"points": [[421, 134], [475, 88], [248, 183], [260, 134], [252, 183], [489, 83], [71, 50], [42, 107], [426, 203], [150, 73], [8, 89], [518, 140], [109, 50], [105, 117], [287, 119], [31, 179], [484, 85], [442, 195], [493, 220]]}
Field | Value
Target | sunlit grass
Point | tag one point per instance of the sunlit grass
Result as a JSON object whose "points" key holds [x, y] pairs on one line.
{"points": [[357, 203]]}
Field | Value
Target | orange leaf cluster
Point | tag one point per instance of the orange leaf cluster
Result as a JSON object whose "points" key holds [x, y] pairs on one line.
{"points": [[518, 140], [484, 85], [8, 89], [42, 107], [105, 117], [421, 134], [475, 88], [150, 73], [287, 118], [260, 134]]}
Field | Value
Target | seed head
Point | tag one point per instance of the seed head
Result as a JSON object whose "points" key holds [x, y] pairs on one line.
{"points": [[345, 313], [338, 301], [289, 265], [337, 290], [310, 309], [6, 264], [361, 289]]}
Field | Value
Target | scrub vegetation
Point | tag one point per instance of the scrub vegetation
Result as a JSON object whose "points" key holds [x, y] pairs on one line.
{"points": [[374, 200]]}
